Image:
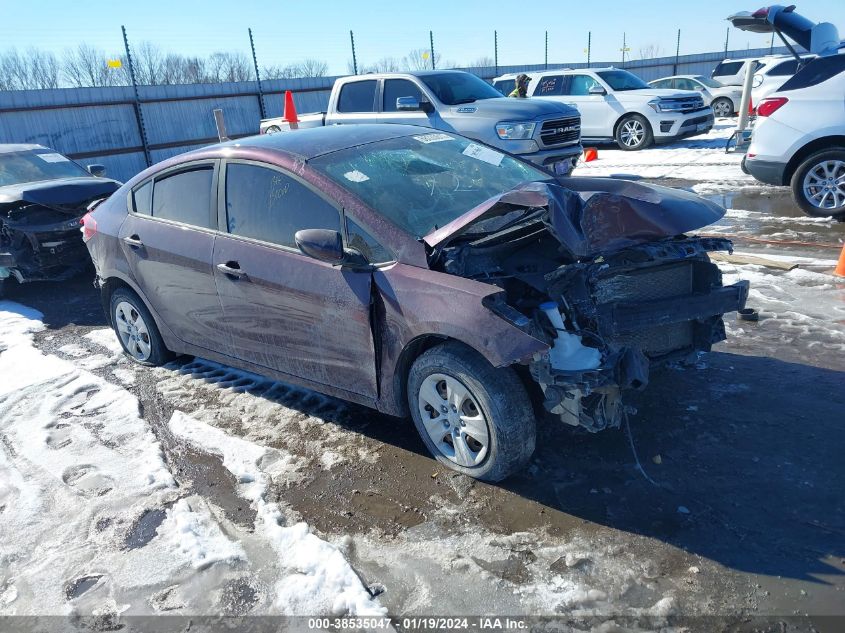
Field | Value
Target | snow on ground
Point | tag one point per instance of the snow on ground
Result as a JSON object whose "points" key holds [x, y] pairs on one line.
{"points": [[700, 158], [92, 521]]}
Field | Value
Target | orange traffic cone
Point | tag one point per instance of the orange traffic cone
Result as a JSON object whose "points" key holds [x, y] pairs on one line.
{"points": [[839, 271], [590, 153], [290, 108]]}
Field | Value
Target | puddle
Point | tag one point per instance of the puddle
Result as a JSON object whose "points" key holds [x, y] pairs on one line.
{"points": [[80, 586], [145, 528]]}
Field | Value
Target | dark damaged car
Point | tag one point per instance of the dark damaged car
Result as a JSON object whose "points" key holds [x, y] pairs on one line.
{"points": [[415, 272], [43, 196]]}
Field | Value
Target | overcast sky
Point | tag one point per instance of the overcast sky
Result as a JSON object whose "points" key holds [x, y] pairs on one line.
{"points": [[286, 32]]}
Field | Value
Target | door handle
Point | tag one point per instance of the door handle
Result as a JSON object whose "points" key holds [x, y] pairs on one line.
{"points": [[232, 269], [133, 240]]}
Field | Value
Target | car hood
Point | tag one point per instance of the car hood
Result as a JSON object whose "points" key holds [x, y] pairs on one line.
{"points": [[652, 93], [589, 216], [67, 195], [510, 109]]}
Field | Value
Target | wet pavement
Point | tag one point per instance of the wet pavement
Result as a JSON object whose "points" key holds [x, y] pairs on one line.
{"points": [[724, 498]]}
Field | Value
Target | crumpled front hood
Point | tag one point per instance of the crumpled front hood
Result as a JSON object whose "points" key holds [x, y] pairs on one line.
{"points": [[66, 195], [589, 216]]}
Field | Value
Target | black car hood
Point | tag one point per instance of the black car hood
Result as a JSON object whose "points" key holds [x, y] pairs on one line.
{"points": [[67, 195], [589, 216]]}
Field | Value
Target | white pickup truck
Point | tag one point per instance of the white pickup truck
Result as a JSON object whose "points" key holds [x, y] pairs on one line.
{"points": [[543, 132]]}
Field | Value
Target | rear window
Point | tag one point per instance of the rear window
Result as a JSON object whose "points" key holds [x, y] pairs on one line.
{"points": [[549, 85], [184, 197], [357, 96], [816, 71], [36, 165], [727, 68]]}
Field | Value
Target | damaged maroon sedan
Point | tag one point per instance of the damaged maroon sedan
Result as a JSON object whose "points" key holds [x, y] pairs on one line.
{"points": [[415, 272]]}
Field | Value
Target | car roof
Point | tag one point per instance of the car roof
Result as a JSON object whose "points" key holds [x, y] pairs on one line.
{"points": [[309, 143], [19, 147]]}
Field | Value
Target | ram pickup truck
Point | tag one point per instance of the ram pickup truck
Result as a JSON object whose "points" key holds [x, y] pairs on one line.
{"points": [[544, 132]]}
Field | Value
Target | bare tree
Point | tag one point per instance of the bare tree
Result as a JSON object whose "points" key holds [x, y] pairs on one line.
{"points": [[86, 66], [312, 68], [226, 66], [483, 62], [651, 51], [149, 64], [383, 65], [420, 59]]}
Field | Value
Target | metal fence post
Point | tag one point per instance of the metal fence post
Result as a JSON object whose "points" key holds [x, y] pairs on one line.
{"points": [[139, 117], [354, 59], [257, 78], [589, 46], [431, 43], [677, 53], [496, 51], [547, 52]]}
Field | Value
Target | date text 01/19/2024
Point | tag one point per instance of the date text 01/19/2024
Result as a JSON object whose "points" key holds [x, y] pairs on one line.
{"points": [[421, 623]]}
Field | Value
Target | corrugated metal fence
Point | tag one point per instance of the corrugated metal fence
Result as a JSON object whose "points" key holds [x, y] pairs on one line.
{"points": [[99, 125]]}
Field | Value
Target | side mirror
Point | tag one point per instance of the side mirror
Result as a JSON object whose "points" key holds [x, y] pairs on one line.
{"points": [[327, 246], [97, 170], [597, 90], [408, 104]]}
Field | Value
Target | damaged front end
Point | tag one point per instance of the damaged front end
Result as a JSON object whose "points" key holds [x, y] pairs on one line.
{"points": [[603, 272], [40, 223]]}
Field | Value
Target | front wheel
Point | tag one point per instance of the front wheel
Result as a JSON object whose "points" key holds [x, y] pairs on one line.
{"points": [[472, 417], [633, 133], [273, 129], [818, 185], [722, 107]]}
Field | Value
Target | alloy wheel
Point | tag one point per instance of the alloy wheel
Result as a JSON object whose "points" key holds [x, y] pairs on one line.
{"points": [[632, 133], [132, 330], [824, 185], [453, 420], [722, 108]]}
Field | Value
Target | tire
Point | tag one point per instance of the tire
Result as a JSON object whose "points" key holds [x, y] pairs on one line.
{"points": [[824, 169], [722, 107], [633, 132], [273, 129], [138, 335], [488, 399]]}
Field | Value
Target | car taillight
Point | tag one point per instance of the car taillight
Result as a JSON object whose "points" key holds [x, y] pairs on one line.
{"points": [[770, 105], [89, 226]]}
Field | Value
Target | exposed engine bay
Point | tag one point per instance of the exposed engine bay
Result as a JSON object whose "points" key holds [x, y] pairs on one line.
{"points": [[40, 235], [601, 270]]}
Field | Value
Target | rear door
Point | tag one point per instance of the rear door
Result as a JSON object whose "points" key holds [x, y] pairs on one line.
{"points": [[168, 241], [356, 103], [284, 310]]}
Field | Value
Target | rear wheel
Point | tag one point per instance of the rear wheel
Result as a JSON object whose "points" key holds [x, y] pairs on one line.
{"points": [[818, 185], [472, 417], [722, 107], [136, 330], [633, 133]]}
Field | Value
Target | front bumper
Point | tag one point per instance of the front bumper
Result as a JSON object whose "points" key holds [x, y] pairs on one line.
{"points": [[766, 171], [671, 129], [547, 158]]}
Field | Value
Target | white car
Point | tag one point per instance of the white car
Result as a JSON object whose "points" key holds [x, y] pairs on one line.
{"points": [[799, 137], [725, 100], [771, 74], [731, 72], [617, 105]]}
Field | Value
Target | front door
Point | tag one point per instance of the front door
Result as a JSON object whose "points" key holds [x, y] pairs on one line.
{"points": [[284, 310], [168, 241], [597, 114], [392, 89]]}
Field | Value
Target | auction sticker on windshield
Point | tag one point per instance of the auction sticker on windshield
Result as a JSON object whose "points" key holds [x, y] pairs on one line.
{"points": [[53, 158], [484, 153], [433, 138]]}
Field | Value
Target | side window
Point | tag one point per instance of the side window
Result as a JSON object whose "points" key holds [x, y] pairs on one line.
{"points": [[357, 96], [505, 86], [580, 84], [685, 84], [267, 205], [366, 244], [663, 83], [785, 68], [395, 88], [184, 197], [142, 198], [549, 85]]}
